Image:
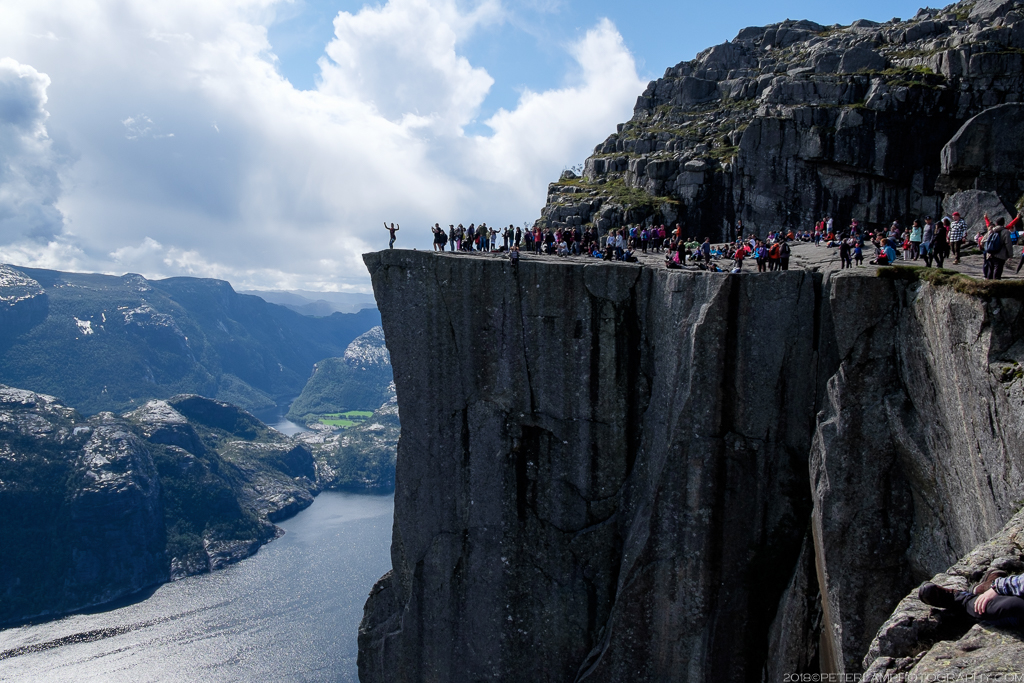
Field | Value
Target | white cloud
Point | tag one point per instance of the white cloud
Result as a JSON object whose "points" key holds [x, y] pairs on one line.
{"points": [[401, 58], [141, 126], [29, 166], [195, 157], [552, 129]]}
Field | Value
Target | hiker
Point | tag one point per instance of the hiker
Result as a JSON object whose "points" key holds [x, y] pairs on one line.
{"points": [[996, 600], [996, 247], [705, 249], [773, 256], [439, 237], [738, 256], [916, 232], [886, 254], [760, 256], [957, 235], [940, 242], [784, 254], [513, 257], [393, 229], [844, 255], [926, 248]]}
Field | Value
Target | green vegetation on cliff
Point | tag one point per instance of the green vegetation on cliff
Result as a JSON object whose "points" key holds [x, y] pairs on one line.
{"points": [[363, 456], [358, 381]]}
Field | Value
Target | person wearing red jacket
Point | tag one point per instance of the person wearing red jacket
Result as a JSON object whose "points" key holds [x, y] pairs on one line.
{"points": [[741, 253]]}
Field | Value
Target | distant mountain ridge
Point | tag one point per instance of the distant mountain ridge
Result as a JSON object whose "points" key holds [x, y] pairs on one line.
{"points": [[102, 342], [315, 303]]}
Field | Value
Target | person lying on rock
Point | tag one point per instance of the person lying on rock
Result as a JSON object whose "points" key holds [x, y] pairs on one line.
{"points": [[997, 600]]}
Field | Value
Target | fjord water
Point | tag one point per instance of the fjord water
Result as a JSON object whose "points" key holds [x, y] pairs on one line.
{"points": [[275, 417], [289, 613]]}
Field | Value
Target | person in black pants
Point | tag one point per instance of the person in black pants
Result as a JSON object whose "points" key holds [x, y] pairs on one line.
{"points": [[996, 600]]}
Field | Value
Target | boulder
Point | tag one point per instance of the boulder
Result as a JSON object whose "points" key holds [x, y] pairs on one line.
{"points": [[991, 143], [930, 643], [986, 10], [858, 59], [974, 204]]}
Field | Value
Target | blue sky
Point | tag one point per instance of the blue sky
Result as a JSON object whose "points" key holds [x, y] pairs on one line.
{"points": [[265, 141]]}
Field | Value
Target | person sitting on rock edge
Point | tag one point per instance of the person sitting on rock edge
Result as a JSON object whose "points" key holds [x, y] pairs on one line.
{"points": [[997, 600]]}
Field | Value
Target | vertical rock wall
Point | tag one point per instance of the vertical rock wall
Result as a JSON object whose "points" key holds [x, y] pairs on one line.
{"points": [[917, 453], [609, 472]]}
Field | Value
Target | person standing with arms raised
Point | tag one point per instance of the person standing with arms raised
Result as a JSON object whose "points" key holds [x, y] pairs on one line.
{"points": [[393, 229]]}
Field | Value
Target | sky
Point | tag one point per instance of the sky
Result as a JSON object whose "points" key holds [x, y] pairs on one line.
{"points": [[264, 142]]}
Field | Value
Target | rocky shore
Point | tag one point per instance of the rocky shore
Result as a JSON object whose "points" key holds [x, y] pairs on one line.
{"points": [[100, 508]]}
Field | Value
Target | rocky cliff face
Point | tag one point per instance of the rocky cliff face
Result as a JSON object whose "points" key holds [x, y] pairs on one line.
{"points": [[611, 472], [98, 509], [789, 122]]}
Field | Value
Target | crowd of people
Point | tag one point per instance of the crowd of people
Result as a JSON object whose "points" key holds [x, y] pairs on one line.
{"points": [[924, 240]]}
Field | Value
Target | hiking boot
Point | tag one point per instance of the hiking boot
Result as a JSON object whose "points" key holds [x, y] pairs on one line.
{"points": [[936, 596], [986, 580]]}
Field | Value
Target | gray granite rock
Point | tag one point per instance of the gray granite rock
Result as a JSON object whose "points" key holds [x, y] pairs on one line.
{"points": [[985, 154], [770, 112], [607, 472], [986, 10], [858, 59], [975, 204], [929, 641], [918, 440]]}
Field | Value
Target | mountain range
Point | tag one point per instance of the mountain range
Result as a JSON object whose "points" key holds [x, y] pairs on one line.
{"points": [[102, 342]]}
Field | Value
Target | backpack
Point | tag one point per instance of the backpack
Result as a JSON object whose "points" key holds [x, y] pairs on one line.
{"points": [[993, 244]]}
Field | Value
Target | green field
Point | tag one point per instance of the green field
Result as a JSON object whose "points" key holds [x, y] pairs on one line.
{"points": [[344, 420]]}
